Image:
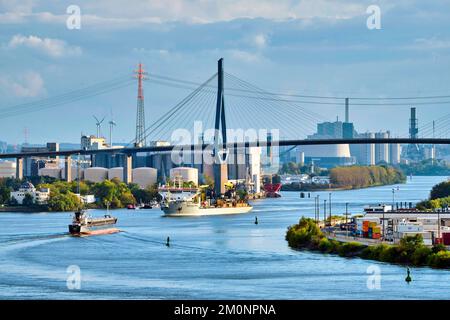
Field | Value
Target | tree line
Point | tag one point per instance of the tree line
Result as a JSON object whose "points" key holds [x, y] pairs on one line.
{"points": [[63, 195], [410, 251], [365, 176], [439, 197]]}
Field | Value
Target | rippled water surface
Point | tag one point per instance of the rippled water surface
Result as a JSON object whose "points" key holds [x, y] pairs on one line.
{"points": [[221, 257]]}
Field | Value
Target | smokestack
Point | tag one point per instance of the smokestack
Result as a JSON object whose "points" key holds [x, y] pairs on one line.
{"points": [[413, 125], [347, 111]]}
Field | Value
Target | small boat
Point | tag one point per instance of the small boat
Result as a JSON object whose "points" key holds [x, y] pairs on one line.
{"points": [[272, 190], [131, 207], [84, 225]]}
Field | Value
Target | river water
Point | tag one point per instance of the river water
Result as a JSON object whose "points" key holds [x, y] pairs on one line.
{"points": [[221, 257]]}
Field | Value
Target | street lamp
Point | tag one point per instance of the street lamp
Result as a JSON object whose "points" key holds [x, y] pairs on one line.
{"points": [[393, 198], [346, 217], [329, 196]]}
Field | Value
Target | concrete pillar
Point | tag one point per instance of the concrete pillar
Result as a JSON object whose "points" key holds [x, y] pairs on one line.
{"points": [[19, 168], [68, 168], [127, 169]]}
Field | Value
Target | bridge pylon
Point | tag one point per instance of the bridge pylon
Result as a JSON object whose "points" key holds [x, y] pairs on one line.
{"points": [[220, 153]]}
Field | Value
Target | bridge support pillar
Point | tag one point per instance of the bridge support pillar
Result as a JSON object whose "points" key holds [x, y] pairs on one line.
{"points": [[127, 169], [68, 168], [19, 168]]}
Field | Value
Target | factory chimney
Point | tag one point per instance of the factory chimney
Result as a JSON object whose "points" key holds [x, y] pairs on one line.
{"points": [[347, 111]]}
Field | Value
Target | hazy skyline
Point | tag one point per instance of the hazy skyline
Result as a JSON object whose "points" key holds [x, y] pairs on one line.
{"points": [[299, 47]]}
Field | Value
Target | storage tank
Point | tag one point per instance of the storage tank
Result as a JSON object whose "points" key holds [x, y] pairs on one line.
{"points": [[50, 172], [144, 176], [116, 172], [7, 169], [74, 173], [335, 151], [186, 173], [96, 174]]}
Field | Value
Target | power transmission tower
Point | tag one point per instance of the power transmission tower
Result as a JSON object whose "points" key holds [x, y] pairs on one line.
{"points": [[140, 140]]}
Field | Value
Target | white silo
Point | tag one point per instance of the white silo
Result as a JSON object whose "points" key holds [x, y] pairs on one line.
{"points": [[74, 173], [50, 172], [186, 173], [144, 176], [7, 169], [96, 174], [116, 172]]}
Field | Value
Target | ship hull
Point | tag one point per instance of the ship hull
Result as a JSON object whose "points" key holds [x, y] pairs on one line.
{"points": [[94, 227], [80, 231], [182, 209]]}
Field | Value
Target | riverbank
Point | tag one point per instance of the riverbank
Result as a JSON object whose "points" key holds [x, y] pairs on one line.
{"points": [[309, 188], [23, 209], [306, 235]]}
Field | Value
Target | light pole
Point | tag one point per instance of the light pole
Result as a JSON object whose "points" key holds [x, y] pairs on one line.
{"points": [[324, 212], [315, 209], [318, 208], [393, 198], [439, 225], [346, 217], [329, 196]]}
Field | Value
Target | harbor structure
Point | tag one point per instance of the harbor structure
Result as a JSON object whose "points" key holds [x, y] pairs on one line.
{"points": [[7, 169]]}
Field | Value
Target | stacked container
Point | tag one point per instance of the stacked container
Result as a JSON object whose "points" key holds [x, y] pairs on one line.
{"points": [[376, 232], [365, 229]]}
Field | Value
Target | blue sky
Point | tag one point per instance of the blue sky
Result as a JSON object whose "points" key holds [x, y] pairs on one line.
{"points": [[300, 47]]}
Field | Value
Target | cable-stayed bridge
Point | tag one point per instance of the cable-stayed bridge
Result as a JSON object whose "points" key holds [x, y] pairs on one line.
{"points": [[225, 103]]}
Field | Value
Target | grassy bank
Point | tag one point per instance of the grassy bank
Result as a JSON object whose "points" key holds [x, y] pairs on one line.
{"points": [[411, 250]]}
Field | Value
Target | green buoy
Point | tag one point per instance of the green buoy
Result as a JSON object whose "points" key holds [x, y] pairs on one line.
{"points": [[408, 276], [168, 242], [256, 220]]}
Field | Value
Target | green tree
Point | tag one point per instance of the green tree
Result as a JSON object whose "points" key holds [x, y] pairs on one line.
{"points": [[28, 200], [63, 202], [441, 190], [5, 194]]}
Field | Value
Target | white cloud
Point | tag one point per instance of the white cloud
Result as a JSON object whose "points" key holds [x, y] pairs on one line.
{"points": [[51, 47], [260, 40], [30, 84], [114, 13], [431, 43], [245, 56]]}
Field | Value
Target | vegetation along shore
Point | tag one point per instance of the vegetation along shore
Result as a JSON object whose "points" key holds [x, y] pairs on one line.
{"points": [[353, 177], [63, 195], [306, 235]]}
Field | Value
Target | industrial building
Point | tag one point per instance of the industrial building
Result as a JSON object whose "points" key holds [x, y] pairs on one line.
{"points": [[328, 156], [365, 153], [31, 165], [382, 149], [7, 169]]}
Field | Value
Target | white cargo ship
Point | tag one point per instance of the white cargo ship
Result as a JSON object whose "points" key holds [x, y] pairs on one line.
{"points": [[179, 201]]}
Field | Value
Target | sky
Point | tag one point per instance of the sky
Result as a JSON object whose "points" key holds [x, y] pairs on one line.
{"points": [[316, 47]]}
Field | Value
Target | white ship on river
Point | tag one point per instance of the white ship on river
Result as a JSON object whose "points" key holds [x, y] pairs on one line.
{"points": [[179, 201]]}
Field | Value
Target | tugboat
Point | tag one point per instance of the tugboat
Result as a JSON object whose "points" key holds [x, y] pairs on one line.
{"points": [[84, 225]]}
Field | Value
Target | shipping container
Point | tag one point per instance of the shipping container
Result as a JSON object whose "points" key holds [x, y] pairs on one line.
{"points": [[446, 238]]}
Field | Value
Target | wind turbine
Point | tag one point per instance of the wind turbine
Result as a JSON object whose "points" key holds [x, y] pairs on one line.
{"points": [[111, 126], [99, 124]]}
